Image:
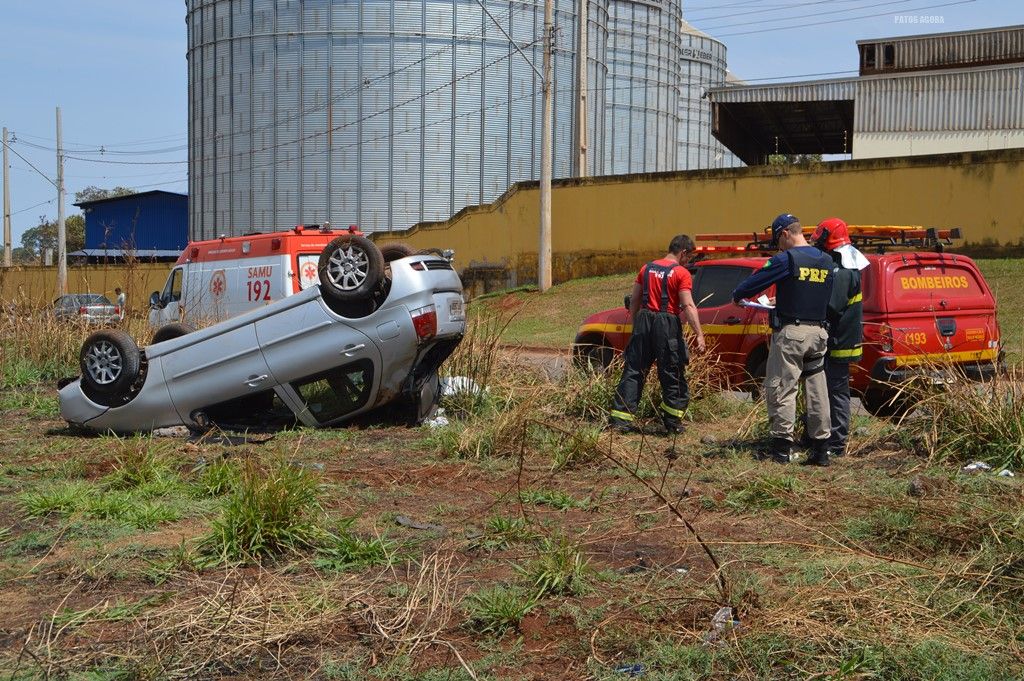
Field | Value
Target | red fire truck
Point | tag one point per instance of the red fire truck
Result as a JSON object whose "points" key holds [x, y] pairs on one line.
{"points": [[924, 310]]}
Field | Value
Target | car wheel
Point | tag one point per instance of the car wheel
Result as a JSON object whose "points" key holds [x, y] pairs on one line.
{"points": [[885, 404], [394, 251], [351, 269], [169, 331], [755, 386], [110, 362], [593, 356]]}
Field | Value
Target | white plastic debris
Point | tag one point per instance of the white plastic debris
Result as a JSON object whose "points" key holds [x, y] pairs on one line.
{"points": [[171, 431], [722, 623], [439, 420], [453, 385], [1006, 473], [976, 466]]}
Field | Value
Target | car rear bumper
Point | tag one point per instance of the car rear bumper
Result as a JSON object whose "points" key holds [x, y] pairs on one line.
{"points": [[886, 372]]}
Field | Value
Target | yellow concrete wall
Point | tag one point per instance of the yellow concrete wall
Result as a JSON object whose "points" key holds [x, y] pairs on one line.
{"points": [[38, 285], [611, 224]]}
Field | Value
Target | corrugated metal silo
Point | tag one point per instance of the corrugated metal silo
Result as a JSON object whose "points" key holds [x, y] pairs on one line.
{"points": [[379, 113], [702, 64], [643, 86]]}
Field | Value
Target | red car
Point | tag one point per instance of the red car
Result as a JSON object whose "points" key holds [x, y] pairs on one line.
{"points": [[920, 308]]}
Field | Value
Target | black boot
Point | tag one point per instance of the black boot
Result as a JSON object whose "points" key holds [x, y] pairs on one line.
{"points": [[819, 454], [781, 449]]}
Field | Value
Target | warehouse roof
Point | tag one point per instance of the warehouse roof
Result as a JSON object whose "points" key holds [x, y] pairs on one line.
{"points": [[807, 117], [122, 197]]}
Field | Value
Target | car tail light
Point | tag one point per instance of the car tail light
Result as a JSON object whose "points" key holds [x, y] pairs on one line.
{"points": [[418, 266], [82, 310], [885, 336], [117, 309], [425, 321]]}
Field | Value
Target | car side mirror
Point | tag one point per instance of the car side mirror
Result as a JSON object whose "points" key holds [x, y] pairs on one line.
{"points": [[154, 299], [626, 301]]}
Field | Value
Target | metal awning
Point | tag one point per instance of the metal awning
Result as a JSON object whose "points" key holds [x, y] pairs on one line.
{"points": [[808, 117]]}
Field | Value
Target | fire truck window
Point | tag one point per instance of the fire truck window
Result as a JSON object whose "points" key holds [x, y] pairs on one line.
{"points": [[715, 286], [332, 394]]}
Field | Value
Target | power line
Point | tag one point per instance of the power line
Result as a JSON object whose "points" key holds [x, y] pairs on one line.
{"points": [[888, 3], [8, 145], [779, 8], [844, 19], [41, 203]]}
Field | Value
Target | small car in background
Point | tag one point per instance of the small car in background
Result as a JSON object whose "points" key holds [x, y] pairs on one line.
{"points": [[86, 308], [368, 333]]}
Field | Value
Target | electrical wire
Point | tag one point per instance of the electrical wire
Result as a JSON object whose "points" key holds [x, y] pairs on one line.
{"points": [[781, 8], [15, 151], [24, 210], [844, 19], [888, 3]]}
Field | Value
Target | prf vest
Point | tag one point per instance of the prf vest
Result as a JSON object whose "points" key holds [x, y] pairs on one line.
{"points": [[803, 296]]}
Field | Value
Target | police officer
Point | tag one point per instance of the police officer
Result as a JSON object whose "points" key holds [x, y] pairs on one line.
{"points": [[661, 293], [846, 328], [803, 278]]}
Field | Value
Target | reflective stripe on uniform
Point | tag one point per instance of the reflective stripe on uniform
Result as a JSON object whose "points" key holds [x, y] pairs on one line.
{"points": [[839, 354], [671, 412], [622, 416], [856, 299]]}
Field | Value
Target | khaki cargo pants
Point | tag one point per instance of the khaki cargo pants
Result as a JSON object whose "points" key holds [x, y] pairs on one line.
{"points": [[797, 350]]}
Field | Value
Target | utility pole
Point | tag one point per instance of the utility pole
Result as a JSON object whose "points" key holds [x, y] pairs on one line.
{"points": [[581, 94], [7, 205], [62, 240], [544, 255]]}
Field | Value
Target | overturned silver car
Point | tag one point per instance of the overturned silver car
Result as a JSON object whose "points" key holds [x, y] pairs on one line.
{"points": [[370, 334]]}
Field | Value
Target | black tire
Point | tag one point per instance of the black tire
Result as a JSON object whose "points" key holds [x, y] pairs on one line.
{"points": [[169, 331], [755, 385], [885, 404], [395, 251], [351, 269], [110, 362], [593, 356]]}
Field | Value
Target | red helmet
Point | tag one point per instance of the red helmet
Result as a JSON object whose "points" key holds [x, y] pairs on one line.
{"points": [[831, 234]]}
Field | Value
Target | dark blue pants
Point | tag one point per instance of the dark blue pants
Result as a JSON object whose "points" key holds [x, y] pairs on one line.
{"points": [[837, 377]]}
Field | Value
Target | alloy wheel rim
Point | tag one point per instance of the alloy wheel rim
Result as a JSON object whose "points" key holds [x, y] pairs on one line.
{"points": [[348, 268], [104, 363]]}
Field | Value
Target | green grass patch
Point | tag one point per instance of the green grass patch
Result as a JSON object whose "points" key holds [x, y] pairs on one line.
{"points": [[764, 493], [498, 609], [552, 497], [342, 550]]}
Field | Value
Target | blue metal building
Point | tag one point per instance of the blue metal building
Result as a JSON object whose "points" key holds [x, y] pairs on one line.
{"points": [[151, 224]]}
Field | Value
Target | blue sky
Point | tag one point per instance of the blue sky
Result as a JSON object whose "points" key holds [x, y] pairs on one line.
{"points": [[117, 69]]}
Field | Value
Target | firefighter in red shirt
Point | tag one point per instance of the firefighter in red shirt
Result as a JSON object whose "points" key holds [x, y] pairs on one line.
{"points": [[661, 294]]}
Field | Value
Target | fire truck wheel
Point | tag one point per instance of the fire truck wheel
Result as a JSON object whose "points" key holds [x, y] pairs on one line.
{"points": [[169, 331], [351, 269], [885, 404], [394, 252], [110, 362], [593, 356]]}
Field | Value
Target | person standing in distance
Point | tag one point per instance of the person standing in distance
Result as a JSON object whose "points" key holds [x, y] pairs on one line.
{"points": [[803, 278], [662, 293], [846, 325], [120, 300]]}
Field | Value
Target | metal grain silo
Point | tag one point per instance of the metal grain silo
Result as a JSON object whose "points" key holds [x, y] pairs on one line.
{"points": [[374, 112], [643, 86], [702, 65]]}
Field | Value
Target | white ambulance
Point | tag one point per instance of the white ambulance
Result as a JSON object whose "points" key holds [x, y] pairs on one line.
{"points": [[222, 278]]}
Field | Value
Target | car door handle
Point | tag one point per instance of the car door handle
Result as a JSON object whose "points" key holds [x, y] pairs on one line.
{"points": [[350, 350], [254, 381], [733, 320]]}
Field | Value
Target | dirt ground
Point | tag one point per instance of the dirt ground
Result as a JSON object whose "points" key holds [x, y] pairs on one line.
{"points": [[624, 549]]}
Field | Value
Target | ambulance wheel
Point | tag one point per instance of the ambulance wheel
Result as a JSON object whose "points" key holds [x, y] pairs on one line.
{"points": [[395, 252], [351, 269], [110, 363], [169, 331]]}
